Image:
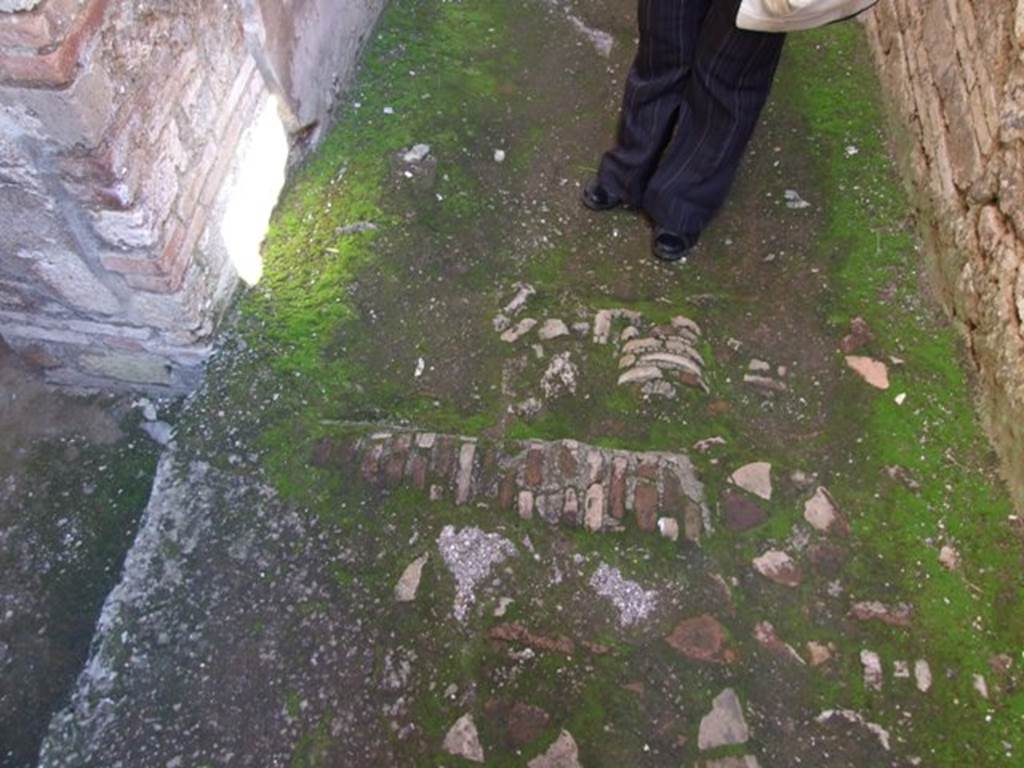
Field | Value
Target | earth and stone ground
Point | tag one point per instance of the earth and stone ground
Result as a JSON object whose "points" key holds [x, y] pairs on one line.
{"points": [[472, 479]]}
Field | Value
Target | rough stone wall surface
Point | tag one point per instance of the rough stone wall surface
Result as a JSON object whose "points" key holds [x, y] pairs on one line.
{"points": [[123, 128], [954, 74]]}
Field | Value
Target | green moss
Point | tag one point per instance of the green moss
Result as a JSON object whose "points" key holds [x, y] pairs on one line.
{"points": [[329, 338], [961, 620], [313, 749]]}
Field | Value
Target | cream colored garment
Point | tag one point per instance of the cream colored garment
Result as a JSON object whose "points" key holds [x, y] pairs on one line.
{"points": [[796, 15]]}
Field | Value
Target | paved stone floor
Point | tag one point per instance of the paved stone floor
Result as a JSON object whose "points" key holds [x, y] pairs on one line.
{"points": [[473, 480]]}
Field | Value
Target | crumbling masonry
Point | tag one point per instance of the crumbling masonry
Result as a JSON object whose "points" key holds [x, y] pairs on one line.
{"points": [[954, 74], [140, 143]]}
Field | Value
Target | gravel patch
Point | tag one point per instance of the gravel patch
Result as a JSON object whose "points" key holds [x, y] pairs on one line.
{"points": [[632, 601], [470, 555]]}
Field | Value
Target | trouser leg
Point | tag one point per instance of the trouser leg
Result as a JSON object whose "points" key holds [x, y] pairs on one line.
{"points": [[654, 90], [732, 74]]}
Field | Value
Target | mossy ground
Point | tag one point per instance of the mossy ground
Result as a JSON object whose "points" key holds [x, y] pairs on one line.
{"points": [[334, 333]]}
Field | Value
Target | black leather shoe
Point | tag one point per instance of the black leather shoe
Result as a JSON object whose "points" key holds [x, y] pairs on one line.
{"points": [[597, 198], [668, 246]]}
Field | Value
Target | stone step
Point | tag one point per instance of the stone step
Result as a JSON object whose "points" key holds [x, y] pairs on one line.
{"points": [[562, 482]]}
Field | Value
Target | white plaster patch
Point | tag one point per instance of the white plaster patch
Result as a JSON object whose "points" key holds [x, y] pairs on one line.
{"points": [[471, 555], [633, 602]]}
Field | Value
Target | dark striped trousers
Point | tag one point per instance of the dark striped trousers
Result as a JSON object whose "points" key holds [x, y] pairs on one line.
{"points": [[692, 99]]}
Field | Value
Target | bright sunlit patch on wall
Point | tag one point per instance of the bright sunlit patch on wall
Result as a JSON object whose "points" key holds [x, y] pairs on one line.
{"points": [[254, 191]]}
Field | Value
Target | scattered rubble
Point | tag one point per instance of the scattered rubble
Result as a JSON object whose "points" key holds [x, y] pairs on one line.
{"points": [[899, 615], [416, 154], [764, 634], [669, 528], [860, 336], [980, 685], [523, 293], [560, 378], [517, 633], [159, 431], [519, 330], [922, 675], [819, 653], [902, 475], [779, 567], [823, 514], [857, 719], [759, 374], [794, 201], [873, 673], [705, 445], [357, 228], [949, 558]]}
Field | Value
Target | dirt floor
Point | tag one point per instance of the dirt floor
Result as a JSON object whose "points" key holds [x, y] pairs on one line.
{"points": [[75, 474], [422, 513]]}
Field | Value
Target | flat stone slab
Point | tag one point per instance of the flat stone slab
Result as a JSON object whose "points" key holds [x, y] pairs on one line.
{"points": [[409, 583], [702, 639], [756, 478], [725, 725], [463, 741]]}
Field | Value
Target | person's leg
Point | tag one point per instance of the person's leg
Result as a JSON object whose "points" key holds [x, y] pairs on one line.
{"points": [[732, 75], [654, 88]]}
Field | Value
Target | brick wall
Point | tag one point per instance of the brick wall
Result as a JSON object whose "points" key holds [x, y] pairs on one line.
{"points": [[124, 128], [954, 74]]}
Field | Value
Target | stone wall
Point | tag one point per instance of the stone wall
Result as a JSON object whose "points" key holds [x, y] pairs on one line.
{"points": [[141, 147], [954, 74]]}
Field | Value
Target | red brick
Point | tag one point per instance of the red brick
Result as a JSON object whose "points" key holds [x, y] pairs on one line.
{"points": [[370, 466], [648, 470], [394, 467], [646, 505], [444, 458], [418, 471], [567, 463], [617, 488], [534, 473], [507, 492]]}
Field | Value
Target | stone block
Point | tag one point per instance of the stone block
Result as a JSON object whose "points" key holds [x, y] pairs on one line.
{"points": [[73, 282], [121, 366]]}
